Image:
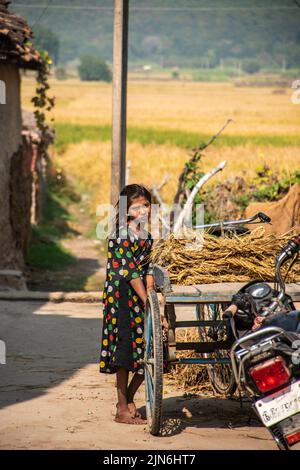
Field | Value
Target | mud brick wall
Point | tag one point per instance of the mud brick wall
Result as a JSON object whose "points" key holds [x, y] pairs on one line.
{"points": [[20, 195], [11, 256]]}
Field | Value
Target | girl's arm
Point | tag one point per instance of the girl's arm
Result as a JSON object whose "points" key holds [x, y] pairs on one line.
{"points": [[139, 288], [149, 282], [149, 277]]}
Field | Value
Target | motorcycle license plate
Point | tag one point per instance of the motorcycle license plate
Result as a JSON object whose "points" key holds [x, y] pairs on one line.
{"points": [[280, 405]]}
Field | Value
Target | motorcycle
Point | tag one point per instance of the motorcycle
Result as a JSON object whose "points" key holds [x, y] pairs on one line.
{"points": [[265, 355]]}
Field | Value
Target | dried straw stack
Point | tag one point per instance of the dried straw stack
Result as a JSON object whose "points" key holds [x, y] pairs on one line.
{"points": [[206, 259], [190, 377]]}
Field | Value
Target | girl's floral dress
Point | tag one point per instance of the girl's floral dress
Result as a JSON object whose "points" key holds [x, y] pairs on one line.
{"points": [[123, 311]]}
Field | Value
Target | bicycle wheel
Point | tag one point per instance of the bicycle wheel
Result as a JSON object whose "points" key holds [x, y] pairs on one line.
{"points": [[220, 375], [153, 363]]}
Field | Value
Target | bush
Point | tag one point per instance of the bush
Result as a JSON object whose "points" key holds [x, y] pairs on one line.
{"points": [[94, 68], [46, 40], [215, 75], [251, 66], [60, 73]]}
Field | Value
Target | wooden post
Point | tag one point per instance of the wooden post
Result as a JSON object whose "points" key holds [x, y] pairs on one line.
{"points": [[120, 55]]}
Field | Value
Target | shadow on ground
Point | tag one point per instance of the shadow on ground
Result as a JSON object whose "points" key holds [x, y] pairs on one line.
{"points": [[180, 413], [85, 274], [46, 344]]}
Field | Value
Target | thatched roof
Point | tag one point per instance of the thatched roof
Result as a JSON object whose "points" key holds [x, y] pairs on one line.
{"points": [[15, 40]]}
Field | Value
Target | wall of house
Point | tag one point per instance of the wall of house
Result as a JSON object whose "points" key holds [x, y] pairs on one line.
{"points": [[21, 186], [11, 256]]}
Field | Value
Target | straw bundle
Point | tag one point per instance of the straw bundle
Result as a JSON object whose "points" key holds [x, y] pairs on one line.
{"points": [[193, 378], [206, 259]]}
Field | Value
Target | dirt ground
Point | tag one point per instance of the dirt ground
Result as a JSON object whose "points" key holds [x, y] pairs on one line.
{"points": [[53, 397], [86, 274]]}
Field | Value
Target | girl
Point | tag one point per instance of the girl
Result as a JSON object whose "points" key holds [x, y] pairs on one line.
{"points": [[129, 277]]}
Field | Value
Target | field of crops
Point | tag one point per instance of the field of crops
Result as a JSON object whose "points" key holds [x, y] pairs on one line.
{"points": [[190, 106], [165, 120]]}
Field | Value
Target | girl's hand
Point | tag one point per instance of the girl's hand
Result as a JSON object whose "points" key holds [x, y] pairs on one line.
{"points": [[149, 283], [148, 290]]}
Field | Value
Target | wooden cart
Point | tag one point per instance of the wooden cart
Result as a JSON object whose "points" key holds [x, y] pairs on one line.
{"points": [[215, 337]]}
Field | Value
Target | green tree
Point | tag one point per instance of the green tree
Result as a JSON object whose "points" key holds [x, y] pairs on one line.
{"points": [[60, 73], [46, 40], [94, 68], [251, 65]]}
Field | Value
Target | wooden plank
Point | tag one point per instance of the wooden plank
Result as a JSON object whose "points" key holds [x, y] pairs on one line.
{"points": [[204, 347], [217, 292], [202, 361], [193, 299], [203, 323]]}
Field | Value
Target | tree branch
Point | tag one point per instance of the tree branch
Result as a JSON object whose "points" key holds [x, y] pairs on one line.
{"points": [[214, 137], [188, 205], [194, 158]]}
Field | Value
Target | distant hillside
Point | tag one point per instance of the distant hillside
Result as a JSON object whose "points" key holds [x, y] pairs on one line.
{"points": [[176, 32]]}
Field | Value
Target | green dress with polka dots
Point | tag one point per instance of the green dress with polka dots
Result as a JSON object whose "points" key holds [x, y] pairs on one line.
{"points": [[122, 343]]}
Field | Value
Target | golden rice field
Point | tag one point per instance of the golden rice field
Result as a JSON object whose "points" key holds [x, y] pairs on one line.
{"points": [[191, 106], [185, 106], [89, 164]]}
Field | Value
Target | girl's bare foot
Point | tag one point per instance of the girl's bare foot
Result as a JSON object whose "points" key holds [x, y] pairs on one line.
{"points": [[133, 411], [125, 417]]}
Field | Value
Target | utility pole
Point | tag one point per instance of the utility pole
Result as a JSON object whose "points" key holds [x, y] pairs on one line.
{"points": [[120, 58]]}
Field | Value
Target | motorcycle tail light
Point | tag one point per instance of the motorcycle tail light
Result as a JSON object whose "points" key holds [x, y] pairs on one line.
{"points": [[293, 438], [270, 374]]}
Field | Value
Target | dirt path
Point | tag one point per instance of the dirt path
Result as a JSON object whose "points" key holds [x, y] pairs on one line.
{"points": [[88, 271], [52, 396], [90, 264]]}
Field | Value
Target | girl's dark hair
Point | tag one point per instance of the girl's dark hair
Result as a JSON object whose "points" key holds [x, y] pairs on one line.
{"points": [[131, 191]]}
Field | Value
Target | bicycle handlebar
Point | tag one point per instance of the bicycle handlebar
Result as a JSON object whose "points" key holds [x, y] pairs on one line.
{"points": [[263, 218]]}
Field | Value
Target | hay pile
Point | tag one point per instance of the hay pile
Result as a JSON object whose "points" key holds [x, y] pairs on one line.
{"points": [[193, 378], [206, 259]]}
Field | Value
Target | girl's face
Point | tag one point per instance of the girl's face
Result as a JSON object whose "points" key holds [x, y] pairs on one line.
{"points": [[139, 209]]}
